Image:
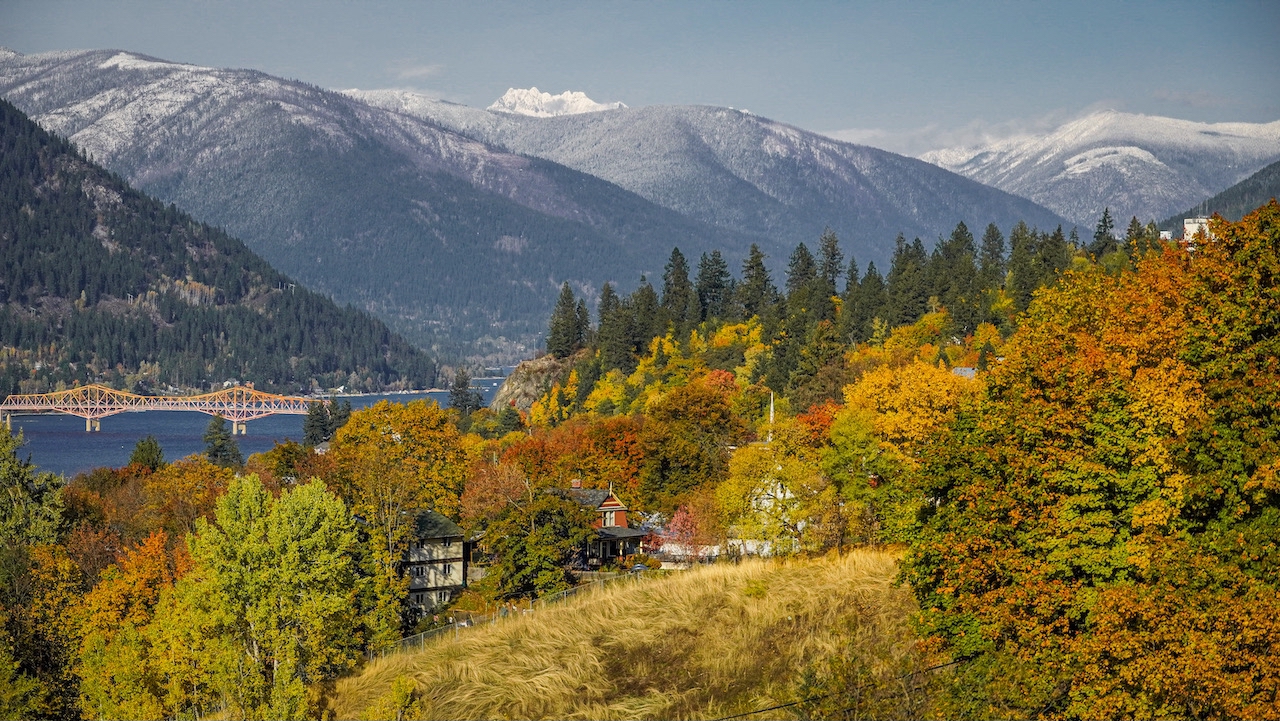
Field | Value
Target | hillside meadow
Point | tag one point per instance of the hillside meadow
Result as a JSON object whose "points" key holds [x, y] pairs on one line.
{"points": [[715, 641]]}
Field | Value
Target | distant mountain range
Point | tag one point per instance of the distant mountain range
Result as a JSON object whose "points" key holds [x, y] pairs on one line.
{"points": [[457, 225], [100, 283], [1137, 165], [1234, 202], [531, 101]]}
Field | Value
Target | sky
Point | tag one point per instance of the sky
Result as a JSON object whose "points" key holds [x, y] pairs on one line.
{"points": [[907, 77]]}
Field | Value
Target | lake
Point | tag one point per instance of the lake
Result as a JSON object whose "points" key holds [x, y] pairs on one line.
{"points": [[59, 443]]}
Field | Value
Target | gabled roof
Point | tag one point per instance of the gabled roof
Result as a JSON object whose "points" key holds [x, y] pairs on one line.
{"points": [[592, 498], [430, 524]]}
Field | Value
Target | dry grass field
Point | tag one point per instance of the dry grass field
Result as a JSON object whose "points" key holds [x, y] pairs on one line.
{"points": [[710, 642]]}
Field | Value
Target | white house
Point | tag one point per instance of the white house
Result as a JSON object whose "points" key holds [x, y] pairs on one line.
{"points": [[436, 562]]}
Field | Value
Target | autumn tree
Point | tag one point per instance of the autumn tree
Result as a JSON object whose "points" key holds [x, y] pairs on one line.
{"points": [[395, 460], [1102, 525]]}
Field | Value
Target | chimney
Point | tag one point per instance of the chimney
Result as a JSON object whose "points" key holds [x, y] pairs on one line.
{"points": [[575, 483]]}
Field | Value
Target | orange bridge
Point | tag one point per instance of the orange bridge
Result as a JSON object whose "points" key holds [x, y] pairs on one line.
{"points": [[239, 404]]}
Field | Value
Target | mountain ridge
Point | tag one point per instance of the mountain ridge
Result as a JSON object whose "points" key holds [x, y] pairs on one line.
{"points": [[1137, 165]]}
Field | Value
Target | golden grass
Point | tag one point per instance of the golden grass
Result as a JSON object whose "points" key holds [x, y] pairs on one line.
{"points": [[710, 642]]}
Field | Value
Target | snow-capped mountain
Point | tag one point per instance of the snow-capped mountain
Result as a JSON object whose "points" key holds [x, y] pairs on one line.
{"points": [[458, 224], [1137, 165], [446, 238], [531, 102], [739, 171]]}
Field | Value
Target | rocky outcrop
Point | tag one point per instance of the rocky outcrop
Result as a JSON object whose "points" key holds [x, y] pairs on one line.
{"points": [[529, 381]]}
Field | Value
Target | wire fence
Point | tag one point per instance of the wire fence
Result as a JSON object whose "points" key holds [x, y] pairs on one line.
{"points": [[462, 620]]}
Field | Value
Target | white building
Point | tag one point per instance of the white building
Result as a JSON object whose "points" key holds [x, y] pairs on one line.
{"points": [[1191, 226], [436, 562]]}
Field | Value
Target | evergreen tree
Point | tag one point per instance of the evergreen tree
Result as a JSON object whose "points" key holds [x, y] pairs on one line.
{"points": [[462, 397], [1053, 256], [908, 283], [220, 446], [315, 427], [756, 293], [581, 325], [991, 267], [562, 336], [147, 452], [1104, 241], [339, 414], [848, 320], [677, 292], [509, 420], [830, 259], [801, 269], [1024, 277], [955, 275], [647, 320], [714, 286], [614, 332], [873, 303]]}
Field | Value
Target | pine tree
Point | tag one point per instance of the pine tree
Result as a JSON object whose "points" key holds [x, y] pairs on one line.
{"points": [[677, 291], [462, 397], [220, 446], [339, 414], [713, 286], [1024, 277], [908, 283], [614, 332], [991, 264], [1104, 241], [315, 427], [581, 325], [647, 320], [848, 321], [562, 336], [955, 276], [147, 452], [873, 302], [756, 293], [830, 259], [1053, 256], [801, 269]]}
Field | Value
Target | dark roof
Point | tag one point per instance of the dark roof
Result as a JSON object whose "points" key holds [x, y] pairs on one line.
{"points": [[614, 533], [591, 497], [430, 524]]}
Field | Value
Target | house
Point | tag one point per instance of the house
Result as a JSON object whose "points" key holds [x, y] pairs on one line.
{"points": [[436, 562], [615, 539]]}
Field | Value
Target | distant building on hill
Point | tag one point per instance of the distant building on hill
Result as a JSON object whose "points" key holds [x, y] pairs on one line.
{"points": [[1191, 226], [436, 562]]}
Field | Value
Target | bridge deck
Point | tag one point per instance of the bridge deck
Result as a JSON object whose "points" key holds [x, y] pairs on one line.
{"points": [[239, 404]]}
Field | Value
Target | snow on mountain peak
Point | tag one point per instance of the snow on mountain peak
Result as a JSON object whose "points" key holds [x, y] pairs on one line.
{"points": [[545, 105]]}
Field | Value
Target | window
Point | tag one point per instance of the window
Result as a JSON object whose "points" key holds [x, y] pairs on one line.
{"points": [[609, 518], [442, 597], [448, 542], [448, 569]]}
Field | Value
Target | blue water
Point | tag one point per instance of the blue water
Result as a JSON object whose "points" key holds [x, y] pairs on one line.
{"points": [[60, 444]]}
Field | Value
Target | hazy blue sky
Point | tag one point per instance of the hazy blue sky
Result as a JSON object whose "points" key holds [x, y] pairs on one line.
{"points": [[906, 77]]}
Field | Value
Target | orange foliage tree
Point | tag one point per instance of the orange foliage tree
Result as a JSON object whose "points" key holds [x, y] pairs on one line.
{"points": [[1101, 537]]}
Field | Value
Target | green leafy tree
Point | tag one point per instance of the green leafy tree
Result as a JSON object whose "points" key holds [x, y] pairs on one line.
{"points": [[535, 541], [220, 446], [275, 586], [31, 503]]}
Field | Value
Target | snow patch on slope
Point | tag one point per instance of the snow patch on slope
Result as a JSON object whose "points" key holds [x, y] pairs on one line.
{"points": [[129, 61], [538, 104]]}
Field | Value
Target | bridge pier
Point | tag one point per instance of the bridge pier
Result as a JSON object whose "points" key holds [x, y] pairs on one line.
{"points": [[92, 424]]}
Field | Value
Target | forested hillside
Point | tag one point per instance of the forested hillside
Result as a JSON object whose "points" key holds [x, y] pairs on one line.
{"points": [[1235, 201], [104, 284]]}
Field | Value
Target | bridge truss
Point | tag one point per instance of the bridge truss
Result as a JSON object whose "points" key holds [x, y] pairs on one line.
{"points": [[239, 404]]}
